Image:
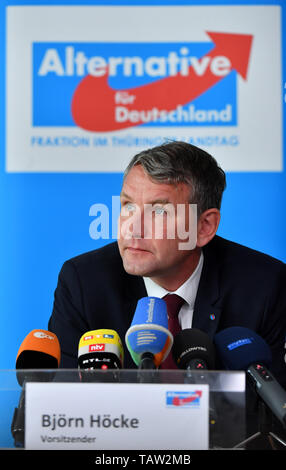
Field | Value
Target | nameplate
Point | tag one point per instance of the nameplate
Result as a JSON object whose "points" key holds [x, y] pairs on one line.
{"points": [[114, 416]]}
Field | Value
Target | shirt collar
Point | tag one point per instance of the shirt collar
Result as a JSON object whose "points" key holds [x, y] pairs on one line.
{"points": [[187, 291]]}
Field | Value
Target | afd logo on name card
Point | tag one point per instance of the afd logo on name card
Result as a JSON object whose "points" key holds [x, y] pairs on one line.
{"points": [[104, 87], [189, 399]]}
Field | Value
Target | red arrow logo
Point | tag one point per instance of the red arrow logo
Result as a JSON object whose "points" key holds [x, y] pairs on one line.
{"points": [[184, 401], [94, 101]]}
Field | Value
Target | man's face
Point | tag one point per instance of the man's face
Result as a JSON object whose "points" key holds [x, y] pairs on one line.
{"points": [[148, 244]]}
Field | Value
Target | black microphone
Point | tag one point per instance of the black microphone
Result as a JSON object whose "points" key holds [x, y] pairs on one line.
{"points": [[242, 349], [39, 350], [193, 350]]}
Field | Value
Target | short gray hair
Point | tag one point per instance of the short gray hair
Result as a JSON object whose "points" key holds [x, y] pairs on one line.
{"points": [[180, 162]]}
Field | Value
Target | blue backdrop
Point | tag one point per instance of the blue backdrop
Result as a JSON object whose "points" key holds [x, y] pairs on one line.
{"points": [[45, 218]]}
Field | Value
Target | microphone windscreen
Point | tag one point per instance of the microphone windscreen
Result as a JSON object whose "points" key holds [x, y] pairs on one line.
{"points": [[100, 349], [40, 349], [150, 310], [149, 331], [190, 344], [239, 347]]}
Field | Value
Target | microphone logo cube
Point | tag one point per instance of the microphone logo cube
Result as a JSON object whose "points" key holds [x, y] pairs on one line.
{"points": [[150, 311]]}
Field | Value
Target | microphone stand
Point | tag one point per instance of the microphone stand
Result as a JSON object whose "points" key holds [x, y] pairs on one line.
{"points": [[147, 363], [18, 421], [195, 374], [263, 433]]}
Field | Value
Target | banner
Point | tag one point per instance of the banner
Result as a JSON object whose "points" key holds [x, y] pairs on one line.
{"points": [[98, 84]]}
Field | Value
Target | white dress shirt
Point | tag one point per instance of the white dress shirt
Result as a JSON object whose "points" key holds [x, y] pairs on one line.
{"points": [[187, 291]]}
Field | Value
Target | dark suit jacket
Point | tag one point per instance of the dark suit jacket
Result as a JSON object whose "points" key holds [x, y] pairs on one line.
{"points": [[238, 287]]}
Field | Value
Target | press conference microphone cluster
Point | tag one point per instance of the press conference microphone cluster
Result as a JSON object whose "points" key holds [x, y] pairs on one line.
{"points": [[148, 339], [242, 349], [39, 350]]}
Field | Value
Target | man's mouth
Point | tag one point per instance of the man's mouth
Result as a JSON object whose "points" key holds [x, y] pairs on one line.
{"points": [[135, 249]]}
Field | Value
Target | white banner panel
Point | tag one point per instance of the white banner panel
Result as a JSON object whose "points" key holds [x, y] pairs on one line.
{"points": [[90, 86], [116, 416]]}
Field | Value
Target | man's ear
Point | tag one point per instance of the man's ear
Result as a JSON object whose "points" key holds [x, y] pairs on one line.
{"points": [[207, 226]]}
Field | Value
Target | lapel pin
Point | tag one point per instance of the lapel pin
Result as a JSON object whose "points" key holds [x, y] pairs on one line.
{"points": [[212, 316]]}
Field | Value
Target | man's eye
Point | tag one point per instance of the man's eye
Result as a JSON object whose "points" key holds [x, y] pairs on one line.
{"points": [[129, 207], [159, 210]]}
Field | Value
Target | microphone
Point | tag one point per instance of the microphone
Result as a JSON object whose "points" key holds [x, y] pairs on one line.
{"points": [[100, 349], [39, 350], [242, 349], [148, 339], [193, 350]]}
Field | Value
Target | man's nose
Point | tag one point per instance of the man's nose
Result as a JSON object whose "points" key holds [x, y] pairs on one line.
{"points": [[138, 223]]}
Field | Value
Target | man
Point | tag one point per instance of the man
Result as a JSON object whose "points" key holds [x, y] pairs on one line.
{"points": [[222, 284]]}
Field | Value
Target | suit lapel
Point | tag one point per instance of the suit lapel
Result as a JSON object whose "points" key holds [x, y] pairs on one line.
{"points": [[207, 310], [134, 290]]}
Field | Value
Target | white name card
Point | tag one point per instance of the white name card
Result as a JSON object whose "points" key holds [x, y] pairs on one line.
{"points": [[92, 416]]}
